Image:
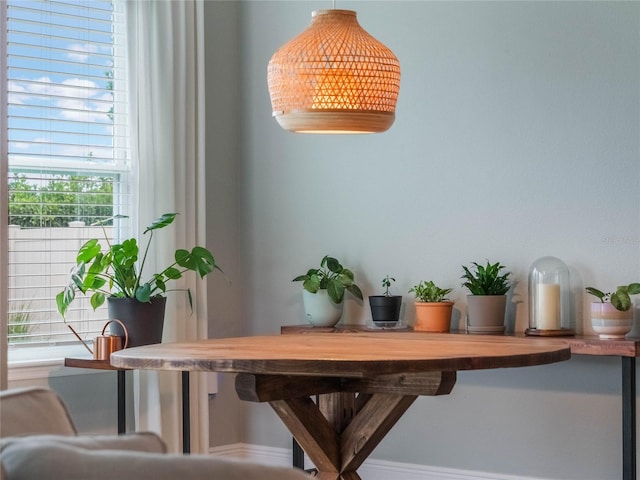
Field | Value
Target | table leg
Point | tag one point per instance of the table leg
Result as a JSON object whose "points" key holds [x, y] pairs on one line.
{"points": [[351, 417], [628, 418], [298, 455], [339, 455], [186, 414], [122, 413]]}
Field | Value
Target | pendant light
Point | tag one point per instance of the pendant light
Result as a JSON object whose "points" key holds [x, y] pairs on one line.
{"points": [[334, 78]]}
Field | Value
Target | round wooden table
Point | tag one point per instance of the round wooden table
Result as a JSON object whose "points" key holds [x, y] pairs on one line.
{"points": [[365, 381]]}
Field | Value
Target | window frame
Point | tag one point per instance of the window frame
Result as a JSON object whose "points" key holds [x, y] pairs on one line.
{"points": [[34, 361]]}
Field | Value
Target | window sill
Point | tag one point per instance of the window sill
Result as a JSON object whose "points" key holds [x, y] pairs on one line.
{"points": [[30, 363]]}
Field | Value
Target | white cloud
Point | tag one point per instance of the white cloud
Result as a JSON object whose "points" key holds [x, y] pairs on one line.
{"points": [[19, 145], [81, 51]]}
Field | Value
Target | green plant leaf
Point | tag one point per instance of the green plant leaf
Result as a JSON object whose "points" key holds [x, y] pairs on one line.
{"points": [[345, 272], [199, 260], [621, 300], [91, 282], [107, 220], [333, 265], [596, 293], [312, 284], [205, 263], [355, 291], [62, 302], [161, 222], [77, 277], [173, 273], [335, 289], [160, 284], [88, 251], [143, 293], [633, 289], [184, 259], [97, 299], [96, 266]]}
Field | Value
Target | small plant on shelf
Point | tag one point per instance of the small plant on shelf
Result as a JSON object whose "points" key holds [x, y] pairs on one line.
{"points": [[386, 284], [332, 277], [427, 291], [385, 308], [620, 299], [486, 280]]}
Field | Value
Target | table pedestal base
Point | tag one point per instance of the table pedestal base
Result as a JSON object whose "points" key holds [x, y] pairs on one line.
{"points": [[350, 417]]}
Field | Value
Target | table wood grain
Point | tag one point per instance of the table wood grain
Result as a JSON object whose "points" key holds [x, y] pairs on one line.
{"points": [[354, 355]]}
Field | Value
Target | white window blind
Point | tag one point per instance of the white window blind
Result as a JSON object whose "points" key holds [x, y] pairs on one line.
{"points": [[68, 164]]}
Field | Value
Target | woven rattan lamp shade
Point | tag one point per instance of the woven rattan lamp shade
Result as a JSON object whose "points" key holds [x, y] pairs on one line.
{"points": [[334, 78]]}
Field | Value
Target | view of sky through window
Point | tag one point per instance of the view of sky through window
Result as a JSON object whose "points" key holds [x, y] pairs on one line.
{"points": [[61, 65], [68, 161]]}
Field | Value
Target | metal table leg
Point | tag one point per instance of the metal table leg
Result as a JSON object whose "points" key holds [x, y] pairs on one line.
{"points": [[122, 413], [628, 418], [186, 414], [298, 455]]}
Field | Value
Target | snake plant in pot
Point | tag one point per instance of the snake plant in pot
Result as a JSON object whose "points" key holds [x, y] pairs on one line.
{"points": [[612, 315], [324, 289], [486, 306], [114, 272], [385, 308]]}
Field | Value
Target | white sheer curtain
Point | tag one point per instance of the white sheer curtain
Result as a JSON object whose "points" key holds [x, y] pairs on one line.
{"points": [[4, 207], [166, 55]]}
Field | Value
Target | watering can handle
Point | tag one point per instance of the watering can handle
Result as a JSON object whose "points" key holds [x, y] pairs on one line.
{"points": [[126, 333]]}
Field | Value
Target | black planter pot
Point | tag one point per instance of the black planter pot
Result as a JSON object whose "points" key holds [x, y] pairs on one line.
{"points": [[144, 321], [385, 309]]}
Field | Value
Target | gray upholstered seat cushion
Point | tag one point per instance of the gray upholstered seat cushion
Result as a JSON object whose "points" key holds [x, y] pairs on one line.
{"points": [[57, 461], [135, 442], [28, 411]]}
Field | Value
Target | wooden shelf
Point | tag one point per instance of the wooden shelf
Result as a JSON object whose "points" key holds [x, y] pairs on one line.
{"points": [[580, 344], [90, 363]]}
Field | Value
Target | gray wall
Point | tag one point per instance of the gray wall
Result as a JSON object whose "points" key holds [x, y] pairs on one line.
{"points": [[517, 136]]}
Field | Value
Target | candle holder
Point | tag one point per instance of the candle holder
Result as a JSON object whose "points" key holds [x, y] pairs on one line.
{"points": [[549, 299]]}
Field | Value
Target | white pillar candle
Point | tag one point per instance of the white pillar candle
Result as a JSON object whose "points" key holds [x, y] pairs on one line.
{"points": [[547, 307]]}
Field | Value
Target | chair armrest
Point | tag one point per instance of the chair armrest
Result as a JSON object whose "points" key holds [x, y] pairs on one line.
{"points": [[54, 461]]}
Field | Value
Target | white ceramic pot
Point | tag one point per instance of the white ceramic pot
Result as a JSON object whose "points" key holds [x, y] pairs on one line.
{"points": [[610, 323], [320, 310]]}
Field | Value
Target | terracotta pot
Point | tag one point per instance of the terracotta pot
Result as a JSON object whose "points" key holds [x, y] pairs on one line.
{"points": [[144, 320], [320, 310], [433, 317], [485, 314], [608, 322]]}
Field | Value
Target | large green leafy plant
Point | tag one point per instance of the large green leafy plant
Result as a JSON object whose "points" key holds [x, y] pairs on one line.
{"points": [[115, 270], [331, 276], [487, 279], [620, 299]]}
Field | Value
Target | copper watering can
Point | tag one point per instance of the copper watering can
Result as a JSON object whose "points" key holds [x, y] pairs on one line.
{"points": [[105, 345]]}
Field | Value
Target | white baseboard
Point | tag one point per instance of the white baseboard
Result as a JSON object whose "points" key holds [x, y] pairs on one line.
{"points": [[372, 469]]}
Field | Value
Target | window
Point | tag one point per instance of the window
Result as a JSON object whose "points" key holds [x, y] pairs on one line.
{"points": [[68, 164]]}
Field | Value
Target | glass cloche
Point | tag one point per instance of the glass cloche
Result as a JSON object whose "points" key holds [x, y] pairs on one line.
{"points": [[549, 298]]}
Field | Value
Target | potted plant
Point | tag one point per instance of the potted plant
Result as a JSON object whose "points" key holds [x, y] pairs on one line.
{"points": [[323, 291], [115, 273], [487, 303], [612, 316], [385, 308], [433, 309]]}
